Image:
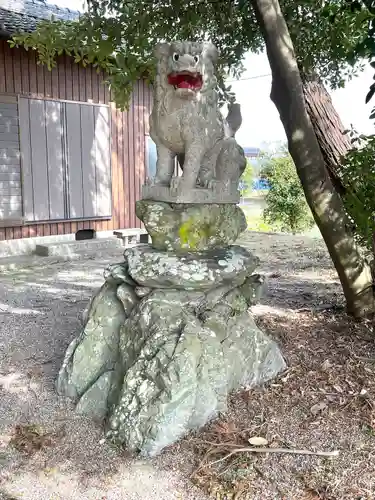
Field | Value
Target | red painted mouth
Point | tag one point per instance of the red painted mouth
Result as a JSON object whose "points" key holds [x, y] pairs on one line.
{"points": [[185, 80]]}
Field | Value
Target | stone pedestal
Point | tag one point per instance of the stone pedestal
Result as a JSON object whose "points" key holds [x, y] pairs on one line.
{"points": [[218, 192], [191, 227], [165, 340]]}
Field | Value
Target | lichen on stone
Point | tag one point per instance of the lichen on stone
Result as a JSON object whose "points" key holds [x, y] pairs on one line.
{"points": [[191, 228], [159, 360]]}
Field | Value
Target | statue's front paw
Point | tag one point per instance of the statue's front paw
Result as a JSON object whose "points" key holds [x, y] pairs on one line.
{"points": [[204, 183], [161, 182], [185, 185]]}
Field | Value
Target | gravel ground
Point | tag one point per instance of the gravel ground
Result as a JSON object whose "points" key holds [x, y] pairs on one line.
{"points": [[40, 313], [325, 400]]}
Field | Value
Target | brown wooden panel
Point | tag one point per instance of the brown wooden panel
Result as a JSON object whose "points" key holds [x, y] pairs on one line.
{"points": [[75, 82], [40, 90], [55, 84], [47, 82], [17, 74], [2, 72], [61, 228], [141, 142], [61, 77], [131, 164], [32, 70], [46, 230], [89, 96], [24, 71], [9, 76], [95, 85], [106, 92], [102, 162], [82, 83], [119, 165], [137, 143], [125, 162], [68, 79], [17, 232], [117, 179]]}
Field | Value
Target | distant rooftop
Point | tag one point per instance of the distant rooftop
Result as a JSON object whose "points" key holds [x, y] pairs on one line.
{"points": [[17, 16], [249, 151]]}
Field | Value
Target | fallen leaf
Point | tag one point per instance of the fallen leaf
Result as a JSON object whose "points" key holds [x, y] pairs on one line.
{"points": [[258, 441], [318, 408]]}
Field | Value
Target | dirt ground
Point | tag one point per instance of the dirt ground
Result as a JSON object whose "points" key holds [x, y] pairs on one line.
{"points": [[323, 402]]}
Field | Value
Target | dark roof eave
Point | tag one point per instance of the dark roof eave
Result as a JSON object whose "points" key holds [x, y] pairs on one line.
{"points": [[14, 20]]}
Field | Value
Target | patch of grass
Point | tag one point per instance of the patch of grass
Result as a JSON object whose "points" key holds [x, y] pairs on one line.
{"points": [[256, 223]]}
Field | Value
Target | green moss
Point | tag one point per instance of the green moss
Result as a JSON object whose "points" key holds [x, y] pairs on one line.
{"points": [[192, 232]]}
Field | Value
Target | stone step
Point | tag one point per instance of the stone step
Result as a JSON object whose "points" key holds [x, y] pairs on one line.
{"points": [[69, 248], [131, 237], [14, 263]]}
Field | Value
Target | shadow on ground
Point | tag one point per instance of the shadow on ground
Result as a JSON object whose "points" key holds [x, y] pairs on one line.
{"points": [[40, 313]]}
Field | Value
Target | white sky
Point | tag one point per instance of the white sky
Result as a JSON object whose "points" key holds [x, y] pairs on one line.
{"points": [[260, 120]]}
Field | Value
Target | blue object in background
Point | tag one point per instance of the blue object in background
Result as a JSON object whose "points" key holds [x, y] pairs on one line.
{"points": [[261, 185]]}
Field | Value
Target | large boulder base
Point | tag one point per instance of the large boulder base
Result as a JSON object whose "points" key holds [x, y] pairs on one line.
{"points": [[157, 362], [191, 228]]}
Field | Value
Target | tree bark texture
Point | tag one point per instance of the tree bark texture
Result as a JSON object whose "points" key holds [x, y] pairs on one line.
{"points": [[324, 201], [328, 127]]}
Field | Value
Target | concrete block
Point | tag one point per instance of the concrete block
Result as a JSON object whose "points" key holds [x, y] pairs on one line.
{"points": [[72, 247]]}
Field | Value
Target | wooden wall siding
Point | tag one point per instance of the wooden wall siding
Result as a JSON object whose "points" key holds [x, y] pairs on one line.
{"points": [[10, 170], [20, 75]]}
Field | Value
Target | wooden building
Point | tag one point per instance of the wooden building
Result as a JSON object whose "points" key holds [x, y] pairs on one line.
{"points": [[69, 160]]}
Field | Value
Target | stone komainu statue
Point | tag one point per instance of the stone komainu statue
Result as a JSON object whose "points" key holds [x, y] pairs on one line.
{"points": [[186, 121]]}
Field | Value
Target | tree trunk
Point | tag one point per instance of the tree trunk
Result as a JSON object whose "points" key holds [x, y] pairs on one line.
{"points": [[324, 201], [328, 127]]}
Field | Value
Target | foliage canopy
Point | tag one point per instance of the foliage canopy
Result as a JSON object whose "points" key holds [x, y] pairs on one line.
{"points": [[118, 36], [358, 177]]}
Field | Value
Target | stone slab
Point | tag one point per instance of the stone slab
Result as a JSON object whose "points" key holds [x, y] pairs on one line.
{"points": [[72, 247], [190, 271], [218, 192]]}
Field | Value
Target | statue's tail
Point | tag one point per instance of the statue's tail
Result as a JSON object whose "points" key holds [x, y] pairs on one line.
{"points": [[234, 119]]}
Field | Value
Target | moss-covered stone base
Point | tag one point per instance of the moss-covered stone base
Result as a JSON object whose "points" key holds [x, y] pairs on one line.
{"points": [[191, 228]]}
